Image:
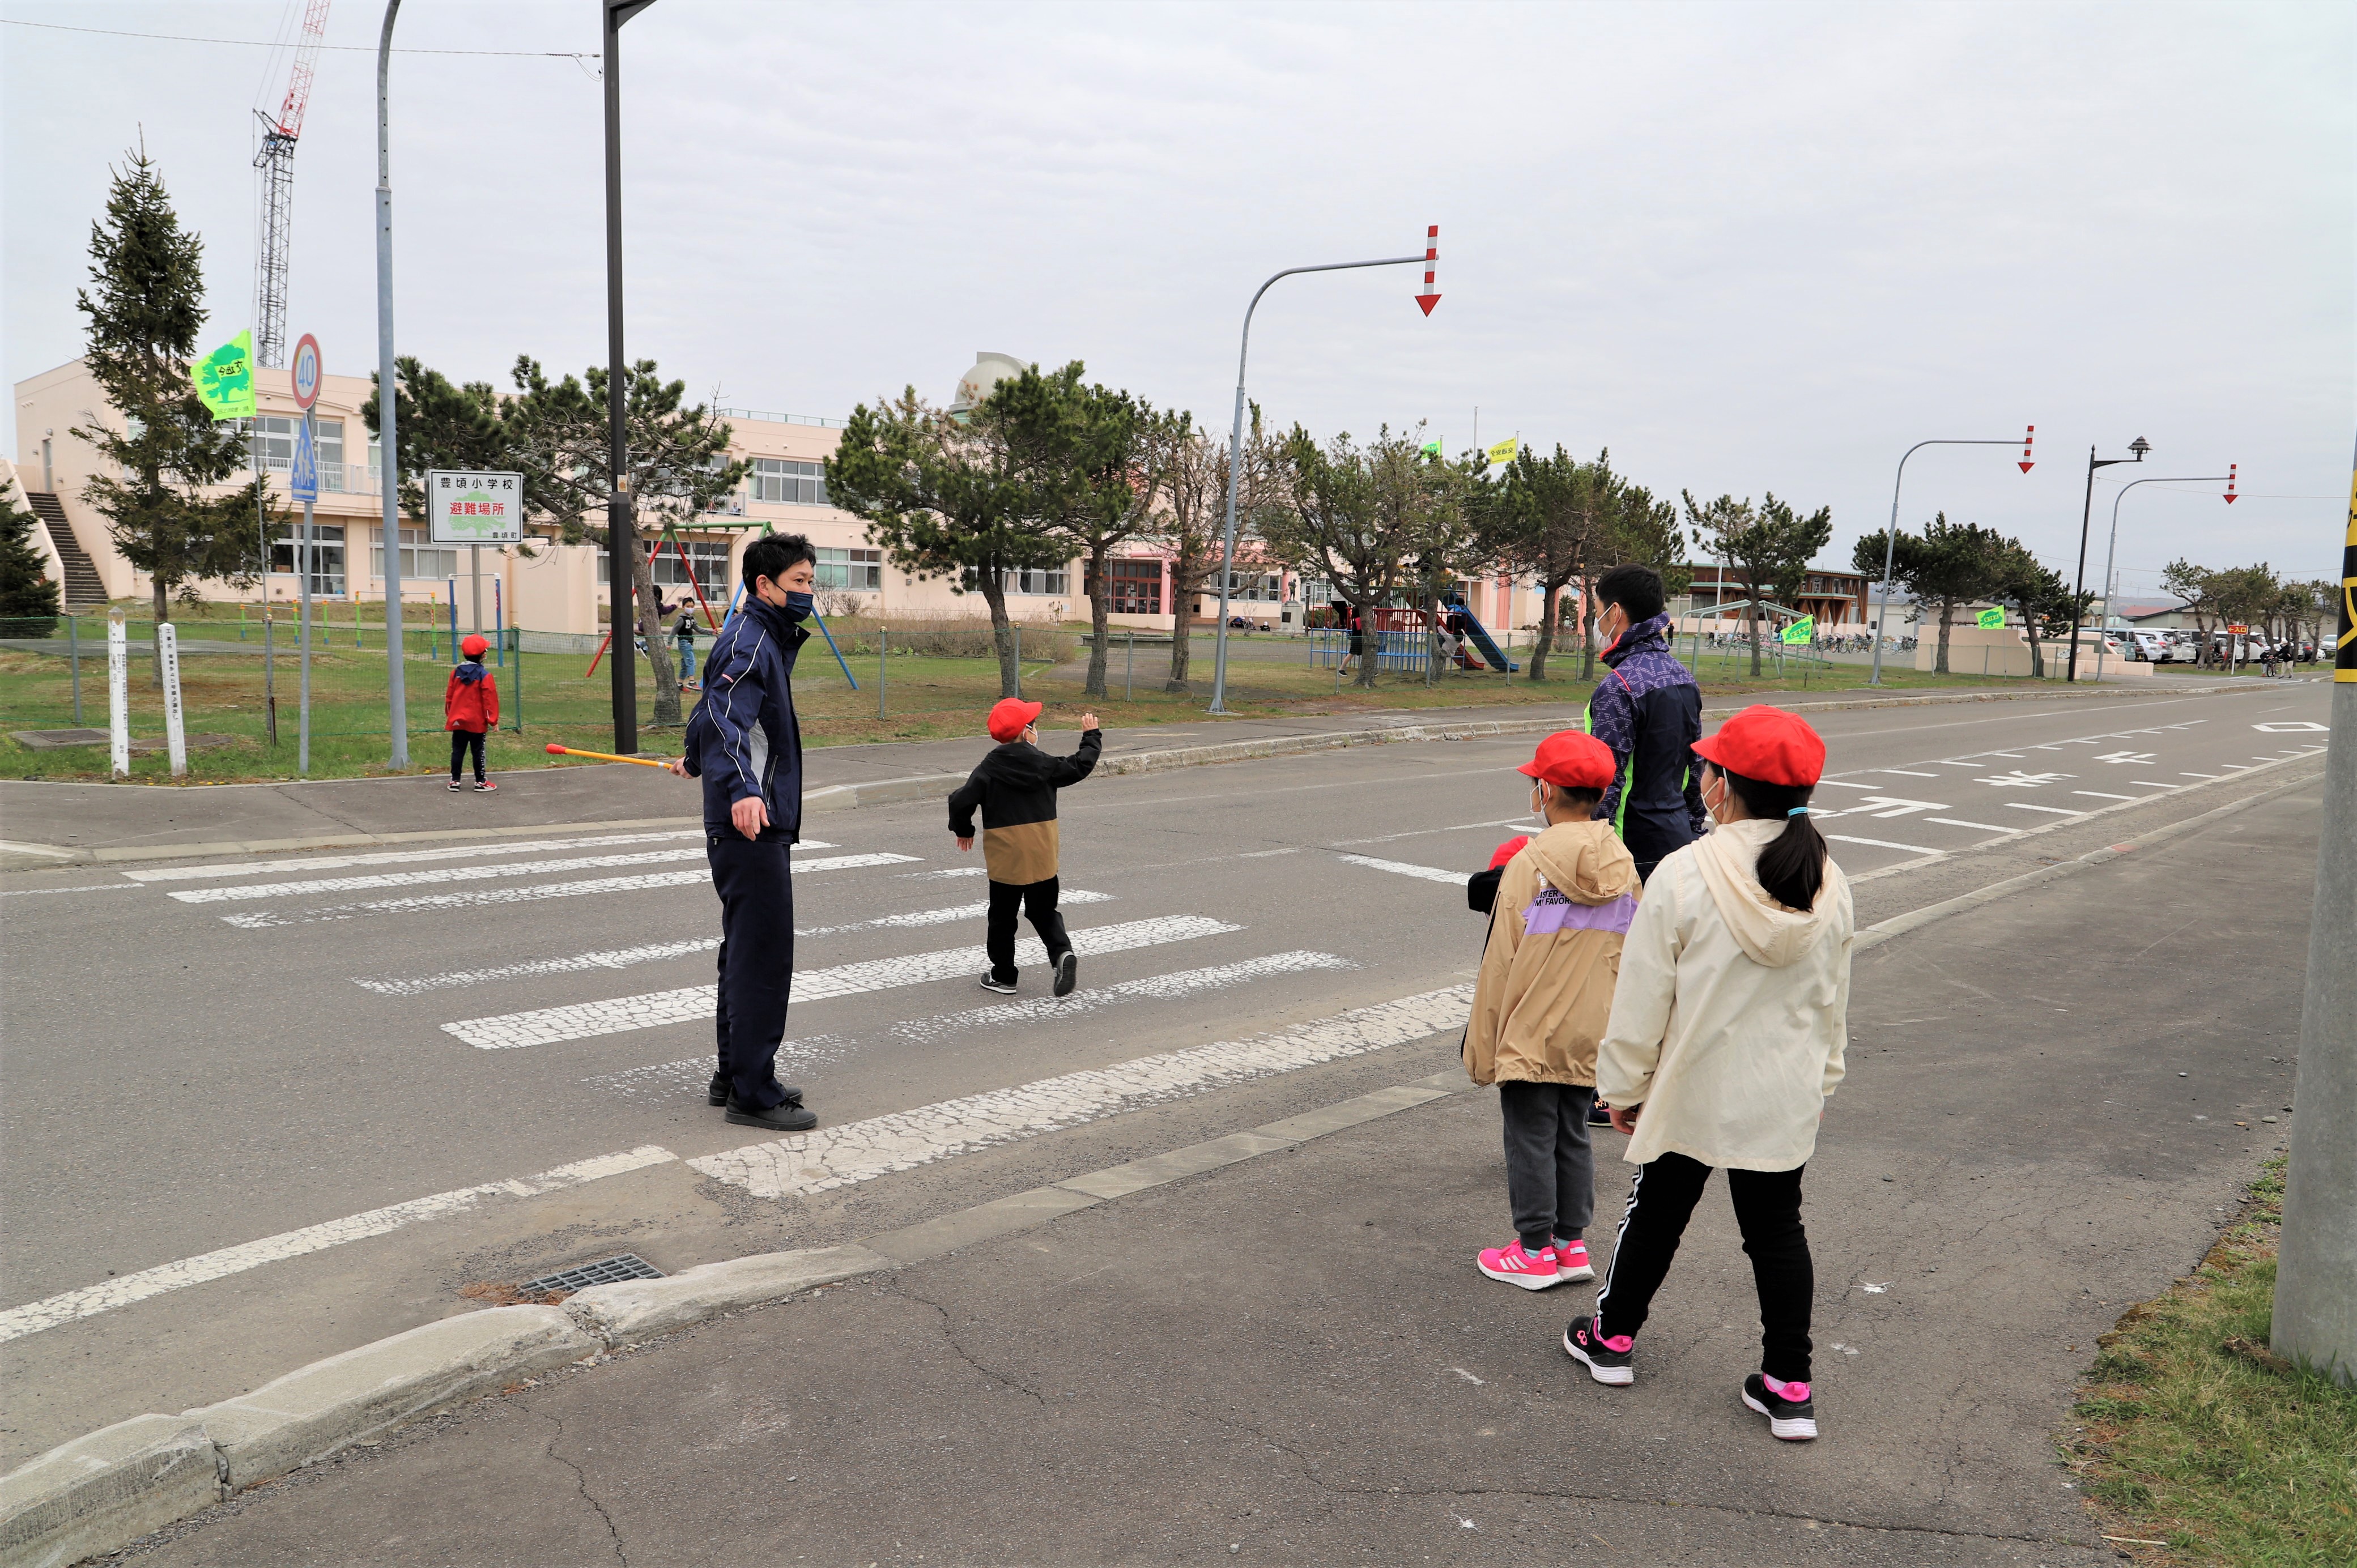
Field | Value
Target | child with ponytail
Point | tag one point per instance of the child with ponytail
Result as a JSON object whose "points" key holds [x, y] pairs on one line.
{"points": [[1726, 1036]]}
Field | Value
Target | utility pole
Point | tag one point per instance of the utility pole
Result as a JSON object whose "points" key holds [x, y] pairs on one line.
{"points": [[388, 447], [621, 532], [2086, 511], [2316, 1265]]}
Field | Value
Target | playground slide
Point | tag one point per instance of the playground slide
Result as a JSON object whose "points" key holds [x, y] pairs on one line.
{"points": [[1479, 636]]}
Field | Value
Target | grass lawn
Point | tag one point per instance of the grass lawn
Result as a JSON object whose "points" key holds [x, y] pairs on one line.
{"points": [[925, 698], [2195, 1444]]}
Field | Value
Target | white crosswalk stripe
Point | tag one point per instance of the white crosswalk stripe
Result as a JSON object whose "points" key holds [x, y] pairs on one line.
{"points": [[946, 917], [1170, 987], [441, 901], [581, 1021], [422, 878], [612, 958], [1402, 868], [407, 856], [833, 1158]]}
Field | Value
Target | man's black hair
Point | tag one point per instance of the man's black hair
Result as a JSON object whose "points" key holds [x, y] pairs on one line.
{"points": [[774, 555], [1635, 588]]}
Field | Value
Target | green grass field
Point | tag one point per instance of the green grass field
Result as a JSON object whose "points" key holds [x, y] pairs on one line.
{"points": [[560, 700]]}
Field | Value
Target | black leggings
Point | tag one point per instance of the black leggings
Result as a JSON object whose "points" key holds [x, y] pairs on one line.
{"points": [[1036, 899], [1767, 1210], [461, 742]]}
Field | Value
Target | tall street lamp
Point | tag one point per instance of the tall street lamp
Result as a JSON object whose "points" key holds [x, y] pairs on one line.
{"points": [[621, 533], [2111, 550], [2078, 584], [1890, 540], [1236, 437]]}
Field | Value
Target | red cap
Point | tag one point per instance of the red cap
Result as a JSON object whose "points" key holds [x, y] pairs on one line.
{"points": [[475, 646], [1767, 743], [1572, 759], [1507, 850], [1011, 717]]}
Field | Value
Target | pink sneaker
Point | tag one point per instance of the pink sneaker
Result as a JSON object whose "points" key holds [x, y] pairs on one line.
{"points": [[1517, 1267], [1571, 1261]]}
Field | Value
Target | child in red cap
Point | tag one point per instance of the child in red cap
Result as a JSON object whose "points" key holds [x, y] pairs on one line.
{"points": [[1540, 1002], [471, 706], [1016, 787], [1726, 1038]]}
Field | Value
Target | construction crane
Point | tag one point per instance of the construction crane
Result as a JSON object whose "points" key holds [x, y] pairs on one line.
{"points": [[276, 163]]}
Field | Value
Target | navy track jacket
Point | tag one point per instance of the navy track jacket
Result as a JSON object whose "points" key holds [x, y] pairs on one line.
{"points": [[1648, 709], [742, 740]]}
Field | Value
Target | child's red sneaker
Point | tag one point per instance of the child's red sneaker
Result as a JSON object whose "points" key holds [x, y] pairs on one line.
{"points": [[1517, 1267], [486, 786]]}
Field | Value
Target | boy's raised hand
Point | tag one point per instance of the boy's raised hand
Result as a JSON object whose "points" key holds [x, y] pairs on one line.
{"points": [[1088, 721]]}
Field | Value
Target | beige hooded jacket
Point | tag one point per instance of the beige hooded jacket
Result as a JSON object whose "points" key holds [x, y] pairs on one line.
{"points": [[1545, 983], [1731, 1016]]}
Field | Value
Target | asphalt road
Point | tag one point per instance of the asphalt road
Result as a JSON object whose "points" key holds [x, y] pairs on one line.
{"points": [[348, 1085]]}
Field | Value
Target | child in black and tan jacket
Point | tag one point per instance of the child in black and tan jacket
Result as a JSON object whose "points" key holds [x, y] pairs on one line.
{"points": [[1015, 786]]}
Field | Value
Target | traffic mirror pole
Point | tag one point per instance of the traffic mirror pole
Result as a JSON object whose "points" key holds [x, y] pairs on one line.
{"points": [[2112, 549], [1890, 539]]}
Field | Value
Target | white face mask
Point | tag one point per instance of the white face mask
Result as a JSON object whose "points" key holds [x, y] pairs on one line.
{"points": [[1715, 807]]}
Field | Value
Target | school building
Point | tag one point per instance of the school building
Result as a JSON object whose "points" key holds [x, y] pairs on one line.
{"points": [[1837, 600]]}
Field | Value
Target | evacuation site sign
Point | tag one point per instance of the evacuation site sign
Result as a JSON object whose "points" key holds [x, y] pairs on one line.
{"points": [[1989, 620], [474, 508], [1800, 630], [224, 379]]}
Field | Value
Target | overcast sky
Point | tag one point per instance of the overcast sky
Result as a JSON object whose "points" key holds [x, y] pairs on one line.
{"points": [[1749, 248]]}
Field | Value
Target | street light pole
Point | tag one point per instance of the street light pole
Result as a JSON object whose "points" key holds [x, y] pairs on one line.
{"points": [[621, 532], [1236, 463], [1890, 540], [388, 447], [2078, 584], [2111, 550], [2316, 1268]]}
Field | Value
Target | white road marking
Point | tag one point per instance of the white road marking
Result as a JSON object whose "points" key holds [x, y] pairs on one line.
{"points": [[834, 1157], [1845, 784], [404, 856], [1888, 806], [1402, 868], [2019, 779], [1156, 988], [1946, 763], [2053, 810], [586, 1020], [1905, 772], [2212, 777], [91, 887], [1885, 843], [612, 958], [1960, 822], [945, 916], [421, 878], [693, 1074], [267, 920], [432, 901], [92, 1300], [953, 871], [2155, 784], [2102, 795]]}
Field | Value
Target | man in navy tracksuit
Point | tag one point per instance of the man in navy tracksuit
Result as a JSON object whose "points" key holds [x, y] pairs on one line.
{"points": [[743, 744], [1649, 710]]}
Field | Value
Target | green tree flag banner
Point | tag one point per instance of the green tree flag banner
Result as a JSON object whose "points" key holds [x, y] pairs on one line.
{"points": [[224, 379], [1801, 630], [1989, 620]]}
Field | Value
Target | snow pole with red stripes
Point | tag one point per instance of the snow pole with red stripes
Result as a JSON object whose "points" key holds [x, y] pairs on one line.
{"points": [[2231, 467], [1429, 298], [2028, 436]]}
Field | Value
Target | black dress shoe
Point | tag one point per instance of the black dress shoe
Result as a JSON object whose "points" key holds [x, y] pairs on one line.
{"points": [[788, 1117], [716, 1091]]}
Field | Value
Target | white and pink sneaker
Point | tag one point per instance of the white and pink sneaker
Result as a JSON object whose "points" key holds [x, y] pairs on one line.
{"points": [[1571, 1261], [1517, 1267]]}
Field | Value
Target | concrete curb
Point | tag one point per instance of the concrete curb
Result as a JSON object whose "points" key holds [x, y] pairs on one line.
{"points": [[641, 1309], [97, 1492], [930, 786]]}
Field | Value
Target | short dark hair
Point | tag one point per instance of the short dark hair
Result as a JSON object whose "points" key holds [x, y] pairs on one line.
{"points": [[774, 555], [1635, 588], [1571, 797]]}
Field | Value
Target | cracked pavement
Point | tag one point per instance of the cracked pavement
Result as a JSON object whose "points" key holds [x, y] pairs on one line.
{"points": [[1292, 1359]]}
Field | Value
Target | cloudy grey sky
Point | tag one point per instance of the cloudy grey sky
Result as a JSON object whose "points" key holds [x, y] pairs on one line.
{"points": [[1747, 247]]}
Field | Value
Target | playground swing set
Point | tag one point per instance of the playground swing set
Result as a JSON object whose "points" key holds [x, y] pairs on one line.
{"points": [[696, 585]]}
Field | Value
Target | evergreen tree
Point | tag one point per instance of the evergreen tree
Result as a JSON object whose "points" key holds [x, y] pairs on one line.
{"points": [[28, 601], [145, 308]]}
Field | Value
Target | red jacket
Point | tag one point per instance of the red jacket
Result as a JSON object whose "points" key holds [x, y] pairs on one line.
{"points": [[470, 704]]}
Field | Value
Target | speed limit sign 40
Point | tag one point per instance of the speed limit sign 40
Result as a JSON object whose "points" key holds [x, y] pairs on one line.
{"points": [[306, 372]]}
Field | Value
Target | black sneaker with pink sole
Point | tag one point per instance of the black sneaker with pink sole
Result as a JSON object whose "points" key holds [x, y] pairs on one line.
{"points": [[1792, 1414]]}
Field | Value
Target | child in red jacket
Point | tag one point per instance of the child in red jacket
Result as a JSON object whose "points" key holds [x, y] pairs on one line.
{"points": [[471, 706]]}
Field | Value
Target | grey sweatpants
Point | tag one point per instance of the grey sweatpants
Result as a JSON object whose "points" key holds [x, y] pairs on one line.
{"points": [[1550, 1176]]}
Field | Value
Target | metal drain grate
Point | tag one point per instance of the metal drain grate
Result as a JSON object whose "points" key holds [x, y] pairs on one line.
{"points": [[610, 1271]]}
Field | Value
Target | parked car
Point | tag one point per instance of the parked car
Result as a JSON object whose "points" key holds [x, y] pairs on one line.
{"points": [[1238, 623]]}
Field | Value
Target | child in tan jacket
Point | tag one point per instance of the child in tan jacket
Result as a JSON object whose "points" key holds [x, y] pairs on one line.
{"points": [[1540, 1005]]}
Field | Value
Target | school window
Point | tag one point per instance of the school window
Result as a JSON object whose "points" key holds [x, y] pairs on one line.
{"points": [[707, 558], [850, 571], [1133, 587], [780, 481], [327, 554], [1035, 582], [421, 560], [1258, 587]]}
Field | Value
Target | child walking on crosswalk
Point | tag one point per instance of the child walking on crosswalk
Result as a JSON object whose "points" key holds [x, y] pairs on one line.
{"points": [[1015, 786]]}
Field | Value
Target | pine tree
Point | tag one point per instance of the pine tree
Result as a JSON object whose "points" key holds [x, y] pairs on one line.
{"points": [[145, 308], [28, 601]]}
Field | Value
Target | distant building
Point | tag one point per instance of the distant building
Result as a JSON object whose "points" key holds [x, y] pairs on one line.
{"points": [[1836, 598]]}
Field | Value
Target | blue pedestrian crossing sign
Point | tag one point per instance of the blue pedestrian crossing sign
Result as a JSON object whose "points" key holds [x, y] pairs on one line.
{"points": [[303, 480]]}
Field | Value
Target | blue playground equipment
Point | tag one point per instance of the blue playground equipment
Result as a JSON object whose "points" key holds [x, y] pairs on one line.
{"points": [[1479, 636]]}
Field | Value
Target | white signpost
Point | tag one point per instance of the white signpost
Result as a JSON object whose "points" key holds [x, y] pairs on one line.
{"points": [[118, 694], [176, 739], [474, 509]]}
